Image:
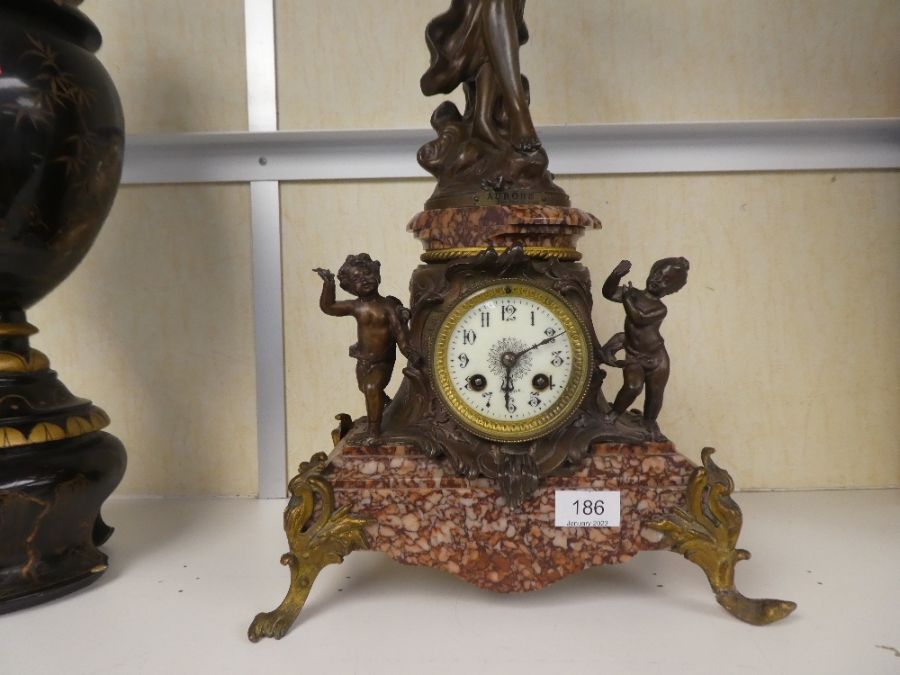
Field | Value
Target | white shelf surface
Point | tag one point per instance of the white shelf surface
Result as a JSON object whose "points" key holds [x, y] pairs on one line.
{"points": [[188, 575]]}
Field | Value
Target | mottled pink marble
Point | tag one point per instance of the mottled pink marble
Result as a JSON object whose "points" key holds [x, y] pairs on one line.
{"points": [[425, 515], [501, 226]]}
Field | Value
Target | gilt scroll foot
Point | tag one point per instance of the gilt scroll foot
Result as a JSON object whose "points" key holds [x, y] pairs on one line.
{"points": [[750, 610], [318, 535], [706, 533]]}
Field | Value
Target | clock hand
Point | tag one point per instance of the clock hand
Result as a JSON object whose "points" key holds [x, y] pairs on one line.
{"points": [[506, 387], [535, 346]]}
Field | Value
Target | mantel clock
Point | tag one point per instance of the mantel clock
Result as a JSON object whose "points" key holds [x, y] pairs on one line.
{"points": [[501, 403]]}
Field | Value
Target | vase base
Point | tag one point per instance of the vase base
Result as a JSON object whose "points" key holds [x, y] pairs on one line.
{"points": [[50, 524], [52, 591]]}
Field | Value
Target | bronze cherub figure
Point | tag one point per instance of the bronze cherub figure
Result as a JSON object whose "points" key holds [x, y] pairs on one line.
{"points": [[646, 360], [382, 326]]}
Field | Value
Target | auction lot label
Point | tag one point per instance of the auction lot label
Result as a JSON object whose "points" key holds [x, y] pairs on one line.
{"points": [[587, 508]]}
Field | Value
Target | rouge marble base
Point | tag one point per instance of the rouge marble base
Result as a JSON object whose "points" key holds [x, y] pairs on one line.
{"points": [[423, 515], [393, 499]]}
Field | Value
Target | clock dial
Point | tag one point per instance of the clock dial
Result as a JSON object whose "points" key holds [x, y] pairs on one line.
{"points": [[511, 361]]}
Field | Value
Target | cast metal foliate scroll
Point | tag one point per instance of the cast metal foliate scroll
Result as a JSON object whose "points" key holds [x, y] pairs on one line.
{"points": [[706, 533], [318, 535]]}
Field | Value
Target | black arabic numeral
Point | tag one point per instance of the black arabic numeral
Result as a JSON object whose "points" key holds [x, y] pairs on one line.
{"points": [[508, 313], [463, 360], [469, 337], [589, 508]]}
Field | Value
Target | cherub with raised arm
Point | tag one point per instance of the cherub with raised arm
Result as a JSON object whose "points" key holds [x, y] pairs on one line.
{"points": [[382, 325], [646, 360]]}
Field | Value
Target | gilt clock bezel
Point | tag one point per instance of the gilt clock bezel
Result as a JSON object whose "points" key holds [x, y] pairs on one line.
{"points": [[532, 428]]}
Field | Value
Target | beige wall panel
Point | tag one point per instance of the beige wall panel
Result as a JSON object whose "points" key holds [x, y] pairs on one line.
{"points": [[156, 326], [179, 66], [357, 63], [784, 342]]}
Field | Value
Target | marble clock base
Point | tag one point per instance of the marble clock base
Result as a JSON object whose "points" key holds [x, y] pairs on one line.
{"points": [[394, 499], [422, 515]]}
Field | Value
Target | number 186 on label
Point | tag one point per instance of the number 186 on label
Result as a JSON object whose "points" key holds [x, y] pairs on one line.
{"points": [[587, 508]]}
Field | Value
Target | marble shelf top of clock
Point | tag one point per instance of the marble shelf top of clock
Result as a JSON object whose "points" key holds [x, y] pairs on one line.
{"points": [[529, 225], [423, 514]]}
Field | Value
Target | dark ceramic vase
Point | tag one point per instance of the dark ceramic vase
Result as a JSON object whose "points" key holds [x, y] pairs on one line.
{"points": [[61, 143]]}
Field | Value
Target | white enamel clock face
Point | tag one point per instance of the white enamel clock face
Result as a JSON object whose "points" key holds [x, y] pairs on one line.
{"points": [[511, 361]]}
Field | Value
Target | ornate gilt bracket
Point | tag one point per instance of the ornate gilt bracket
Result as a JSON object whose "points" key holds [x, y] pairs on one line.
{"points": [[318, 535], [706, 533]]}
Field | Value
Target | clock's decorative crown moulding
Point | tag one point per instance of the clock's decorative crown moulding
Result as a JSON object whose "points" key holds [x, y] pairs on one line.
{"points": [[543, 231]]}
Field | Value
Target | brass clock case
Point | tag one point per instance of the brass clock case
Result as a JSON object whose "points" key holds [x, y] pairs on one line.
{"points": [[531, 428]]}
